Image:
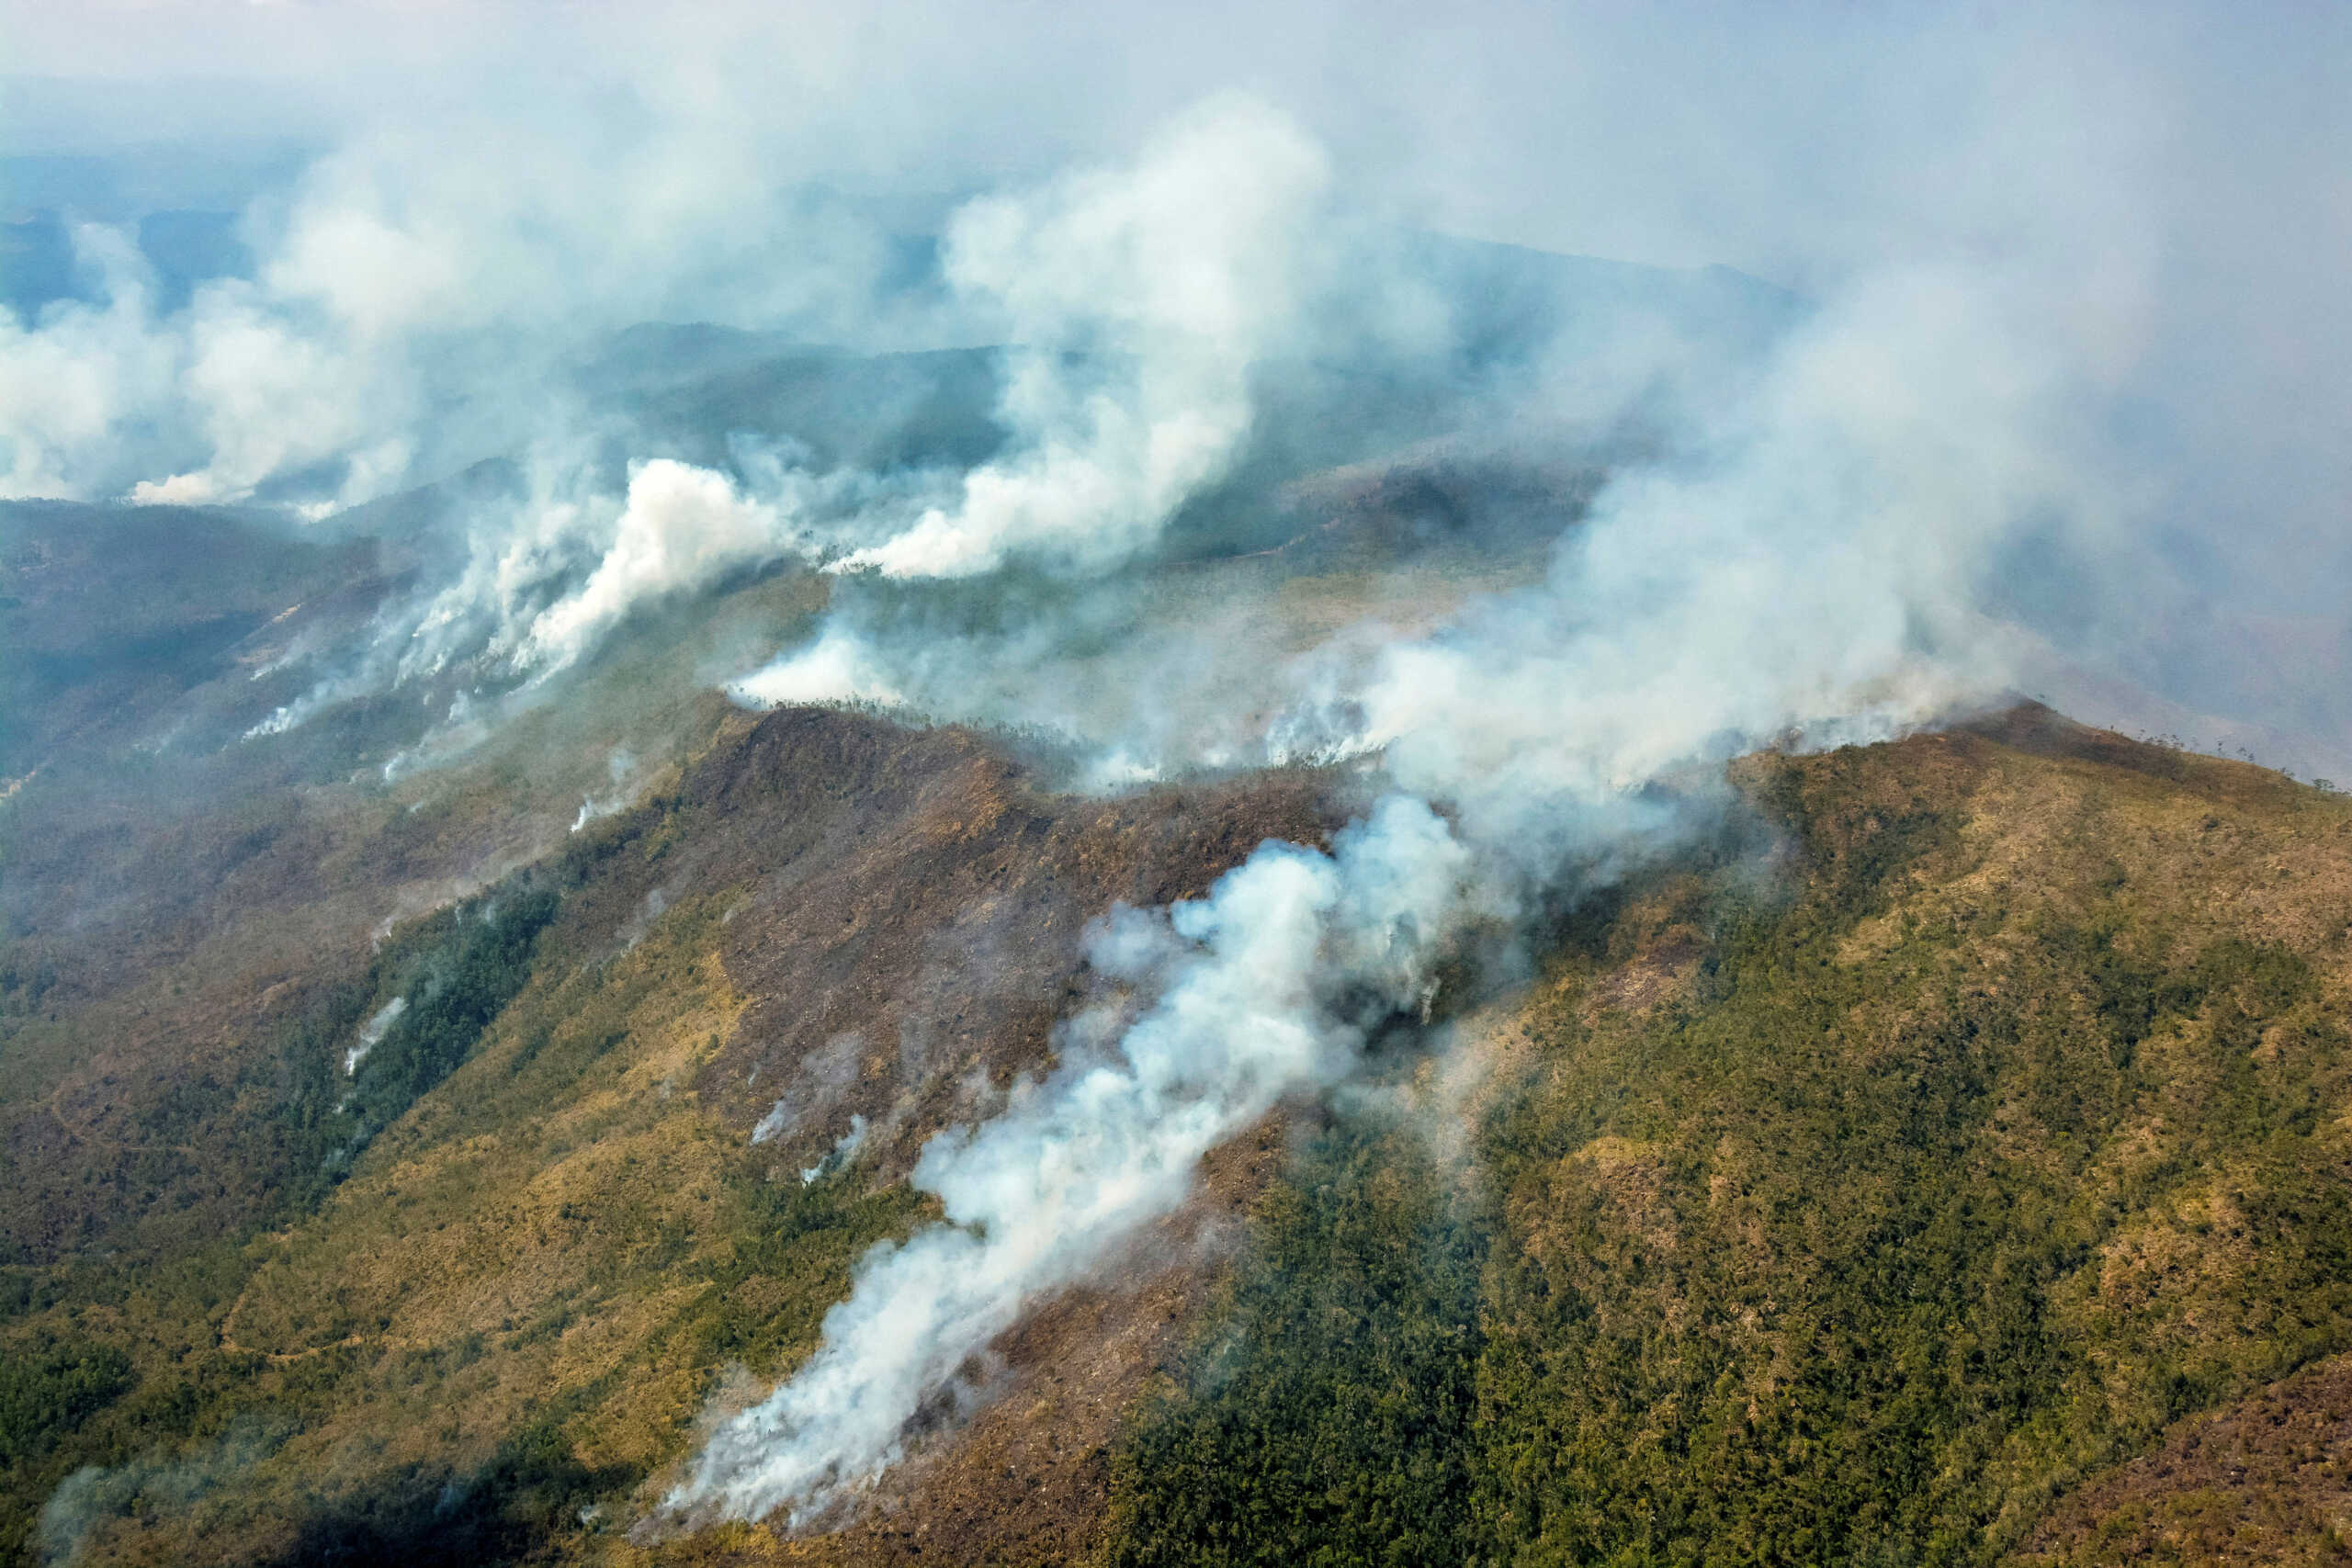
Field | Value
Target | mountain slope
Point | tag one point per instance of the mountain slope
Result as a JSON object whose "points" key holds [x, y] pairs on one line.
{"points": [[1872, 1182], [549, 1230], [1851, 1212]]}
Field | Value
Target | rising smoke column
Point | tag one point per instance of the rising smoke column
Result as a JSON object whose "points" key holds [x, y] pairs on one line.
{"points": [[1248, 1007], [1811, 569], [1139, 299], [1136, 301]]}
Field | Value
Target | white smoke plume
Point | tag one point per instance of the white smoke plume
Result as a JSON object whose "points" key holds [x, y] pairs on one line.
{"points": [[1814, 569], [543, 586], [1174, 280], [676, 529], [682, 527], [2160, 182], [839, 666], [620, 766], [1137, 301], [413, 307], [1259, 995], [373, 1035]]}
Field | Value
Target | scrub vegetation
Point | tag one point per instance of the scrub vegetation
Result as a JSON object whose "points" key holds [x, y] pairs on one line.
{"points": [[1849, 1216]]}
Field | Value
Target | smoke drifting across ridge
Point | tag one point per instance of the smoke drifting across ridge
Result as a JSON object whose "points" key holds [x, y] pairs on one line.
{"points": [[1140, 303], [414, 307], [2156, 196], [1260, 990], [1811, 560], [1808, 575]]}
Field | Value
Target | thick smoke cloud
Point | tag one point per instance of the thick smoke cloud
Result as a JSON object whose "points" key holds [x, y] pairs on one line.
{"points": [[1806, 573], [493, 195], [417, 305], [1815, 561], [1260, 991], [682, 527], [1810, 570]]}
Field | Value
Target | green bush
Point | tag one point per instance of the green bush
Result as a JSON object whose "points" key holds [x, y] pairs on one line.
{"points": [[50, 1388], [1327, 1416]]}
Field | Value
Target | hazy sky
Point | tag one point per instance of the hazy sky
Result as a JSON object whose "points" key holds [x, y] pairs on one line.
{"points": [[1793, 138], [2162, 195]]}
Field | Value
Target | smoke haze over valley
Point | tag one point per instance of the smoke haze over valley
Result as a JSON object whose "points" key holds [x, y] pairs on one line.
{"points": [[742, 750]]}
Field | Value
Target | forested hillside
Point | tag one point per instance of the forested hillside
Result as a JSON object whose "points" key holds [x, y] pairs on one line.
{"points": [[1900, 1174], [1868, 1208]]}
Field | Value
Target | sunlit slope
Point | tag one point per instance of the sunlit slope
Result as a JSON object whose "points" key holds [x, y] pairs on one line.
{"points": [[1854, 1208]]}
